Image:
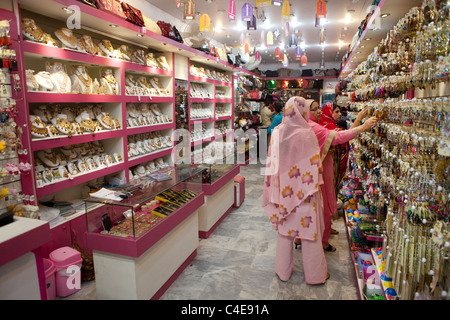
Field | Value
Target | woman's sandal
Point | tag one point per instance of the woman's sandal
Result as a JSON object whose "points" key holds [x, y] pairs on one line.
{"points": [[297, 242], [333, 231], [329, 248]]}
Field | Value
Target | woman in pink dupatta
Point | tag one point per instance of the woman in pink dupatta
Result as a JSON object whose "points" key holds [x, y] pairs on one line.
{"points": [[326, 139], [292, 197]]}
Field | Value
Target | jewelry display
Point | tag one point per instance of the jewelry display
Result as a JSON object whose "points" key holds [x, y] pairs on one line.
{"points": [[109, 81], [48, 40], [210, 74], [146, 143], [200, 91], [163, 62], [124, 52], [86, 45], [107, 48], [32, 84], [81, 81], [31, 31], [61, 81], [197, 111], [44, 80], [398, 180], [38, 128], [67, 38], [51, 165], [138, 56]]}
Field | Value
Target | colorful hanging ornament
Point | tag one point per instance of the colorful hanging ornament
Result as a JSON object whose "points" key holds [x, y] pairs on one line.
{"points": [[292, 40], [281, 56], [263, 3], [205, 22], [251, 25], [322, 63], [285, 61], [232, 10], [277, 52], [247, 12], [304, 60], [269, 38], [178, 3], [286, 29], [321, 11], [257, 56], [189, 10], [246, 48], [298, 53], [277, 3], [286, 10]]}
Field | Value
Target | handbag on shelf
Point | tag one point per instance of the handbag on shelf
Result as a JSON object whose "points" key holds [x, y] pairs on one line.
{"points": [[133, 15], [113, 7], [151, 25], [178, 37], [166, 29]]}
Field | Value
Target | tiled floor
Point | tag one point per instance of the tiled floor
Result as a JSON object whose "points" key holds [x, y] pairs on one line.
{"points": [[237, 261]]}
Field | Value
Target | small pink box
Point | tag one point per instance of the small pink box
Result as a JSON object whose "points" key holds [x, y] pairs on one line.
{"points": [[239, 191], [67, 262]]}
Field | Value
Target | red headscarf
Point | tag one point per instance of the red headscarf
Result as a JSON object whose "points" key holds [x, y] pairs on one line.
{"points": [[326, 119]]}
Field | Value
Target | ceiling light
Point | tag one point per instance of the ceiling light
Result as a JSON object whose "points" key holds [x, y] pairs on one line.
{"points": [[140, 35], [367, 39], [113, 25], [384, 15], [67, 10]]}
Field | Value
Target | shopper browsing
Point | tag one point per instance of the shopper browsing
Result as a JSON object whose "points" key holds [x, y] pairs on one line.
{"points": [[291, 197], [266, 112], [327, 138], [278, 106]]}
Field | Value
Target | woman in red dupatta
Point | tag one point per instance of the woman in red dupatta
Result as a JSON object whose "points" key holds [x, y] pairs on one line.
{"points": [[328, 138]]}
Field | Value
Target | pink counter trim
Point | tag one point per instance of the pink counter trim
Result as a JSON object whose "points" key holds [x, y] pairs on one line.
{"points": [[136, 247]]}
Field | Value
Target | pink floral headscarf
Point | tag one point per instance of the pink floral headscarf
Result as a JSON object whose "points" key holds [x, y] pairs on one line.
{"points": [[294, 168]]}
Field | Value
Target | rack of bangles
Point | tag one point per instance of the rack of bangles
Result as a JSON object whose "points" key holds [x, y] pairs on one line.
{"points": [[13, 155]]}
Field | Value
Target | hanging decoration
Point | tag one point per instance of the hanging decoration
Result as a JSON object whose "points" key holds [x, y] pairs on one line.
{"points": [[285, 61], [281, 56], [189, 10], [232, 10], [304, 60], [322, 63], [257, 56], [263, 3], [286, 29], [292, 40], [298, 53], [247, 12], [269, 38], [277, 3], [205, 22], [178, 3], [242, 39], [246, 48], [263, 38], [286, 10], [321, 11], [251, 25], [322, 37], [277, 52]]}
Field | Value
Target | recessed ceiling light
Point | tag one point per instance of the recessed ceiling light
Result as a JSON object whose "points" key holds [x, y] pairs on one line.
{"points": [[367, 39], [384, 15], [113, 25], [140, 35]]}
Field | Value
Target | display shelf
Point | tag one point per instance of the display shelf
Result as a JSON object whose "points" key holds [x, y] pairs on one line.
{"points": [[133, 161], [147, 99], [150, 128], [201, 100], [49, 97], [78, 179], [60, 141]]}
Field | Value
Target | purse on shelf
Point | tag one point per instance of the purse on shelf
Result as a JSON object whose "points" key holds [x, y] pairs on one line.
{"points": [[113, 7], [151, 25], [166, 29], [178, 37], [133, 15]]}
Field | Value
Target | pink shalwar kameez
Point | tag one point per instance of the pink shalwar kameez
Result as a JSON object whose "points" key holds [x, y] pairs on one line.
{"points": [[326, 139], [291, 197]]}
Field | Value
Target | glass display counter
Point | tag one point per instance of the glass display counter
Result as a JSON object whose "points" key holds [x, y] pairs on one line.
{"points": [[142, 242]]}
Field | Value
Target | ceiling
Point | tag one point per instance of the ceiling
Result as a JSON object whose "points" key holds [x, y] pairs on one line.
{"points": [[301, 23]]}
